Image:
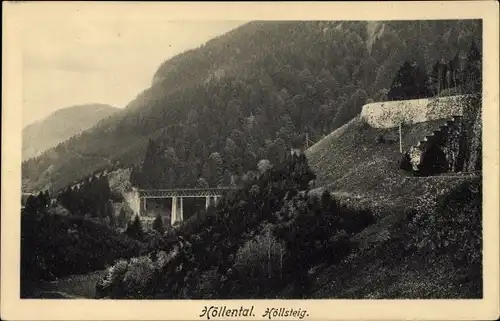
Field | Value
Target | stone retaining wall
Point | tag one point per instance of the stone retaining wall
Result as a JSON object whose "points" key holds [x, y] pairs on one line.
{"points": [[390, 114]]}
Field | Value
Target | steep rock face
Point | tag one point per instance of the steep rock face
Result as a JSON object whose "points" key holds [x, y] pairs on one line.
{"points": [[374, 30], [60, 126]]}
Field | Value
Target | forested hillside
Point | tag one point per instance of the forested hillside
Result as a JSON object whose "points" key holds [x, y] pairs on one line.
{"points": [[61, 125], [247, 246], [54, 245], [212, 113], [277, 238]]}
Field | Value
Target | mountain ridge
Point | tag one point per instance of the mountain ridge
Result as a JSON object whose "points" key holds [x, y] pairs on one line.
{"points": [[61, 125]]}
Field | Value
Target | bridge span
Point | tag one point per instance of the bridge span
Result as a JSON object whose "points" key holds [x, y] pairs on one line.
{"points": [[177, 195]]}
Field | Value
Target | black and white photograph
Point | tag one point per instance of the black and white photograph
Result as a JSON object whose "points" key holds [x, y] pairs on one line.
{"points": [[246, 159]]}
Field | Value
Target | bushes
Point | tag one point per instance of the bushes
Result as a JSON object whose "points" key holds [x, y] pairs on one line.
{"points": [[131, 279], [449, 235], [454, 229], [405, 163], [111, 284], [380, 139], [138, 276], [57, 246], [134, 229], [318, 232], [259, 263], [252, 244]]}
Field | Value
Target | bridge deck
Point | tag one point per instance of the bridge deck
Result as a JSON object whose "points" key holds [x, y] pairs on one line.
{"points": [[183, 192]]}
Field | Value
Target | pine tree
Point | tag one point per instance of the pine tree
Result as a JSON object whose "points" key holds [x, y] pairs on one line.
{"points": [[112, 220], [454, 71], [122, 218], [409, 83], [42, 201], [326, 199], [158, 224], [149, 172], [472, 74], [110, 213], [437, 77], [134, 229], [31, 207]]}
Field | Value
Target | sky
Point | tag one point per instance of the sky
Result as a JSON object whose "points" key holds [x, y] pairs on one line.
{"points": [[74, 59]]}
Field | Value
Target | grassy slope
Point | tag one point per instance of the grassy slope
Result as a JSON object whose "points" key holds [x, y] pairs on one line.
{"points": [[351, 164]]}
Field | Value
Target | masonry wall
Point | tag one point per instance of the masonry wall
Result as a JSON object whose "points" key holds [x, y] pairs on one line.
{"points": [[472, 128], [132, 200], [390, 114]]}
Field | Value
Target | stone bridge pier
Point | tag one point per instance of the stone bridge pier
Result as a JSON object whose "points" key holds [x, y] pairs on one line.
{"points": [[177, 212], [211, 195]]}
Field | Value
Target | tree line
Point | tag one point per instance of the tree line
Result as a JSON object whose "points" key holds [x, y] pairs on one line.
{"points": [[465, 77], [93, 198], [55, 245]]}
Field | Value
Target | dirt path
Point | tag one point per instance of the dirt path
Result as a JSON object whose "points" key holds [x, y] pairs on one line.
{"points": [[70, 287]]}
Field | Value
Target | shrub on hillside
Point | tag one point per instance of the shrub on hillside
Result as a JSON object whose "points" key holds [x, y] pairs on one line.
{"points": [[138, 276], [318, 232], [405, 162], [132, 278], [134, 229], [453, 230], [231, 251], [111, 284], [380, 139], [259, 264], [354, 221], [127, 279], [56, 246]]}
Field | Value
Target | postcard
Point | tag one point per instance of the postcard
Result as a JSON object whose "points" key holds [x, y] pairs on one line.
{"points": [[250, 161]]}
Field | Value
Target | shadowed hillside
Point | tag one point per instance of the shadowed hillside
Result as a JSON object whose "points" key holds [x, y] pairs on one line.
{"points": [[432, 251]]}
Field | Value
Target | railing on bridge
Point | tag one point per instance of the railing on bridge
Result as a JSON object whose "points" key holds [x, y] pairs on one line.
{"points": [[183, 192]]}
